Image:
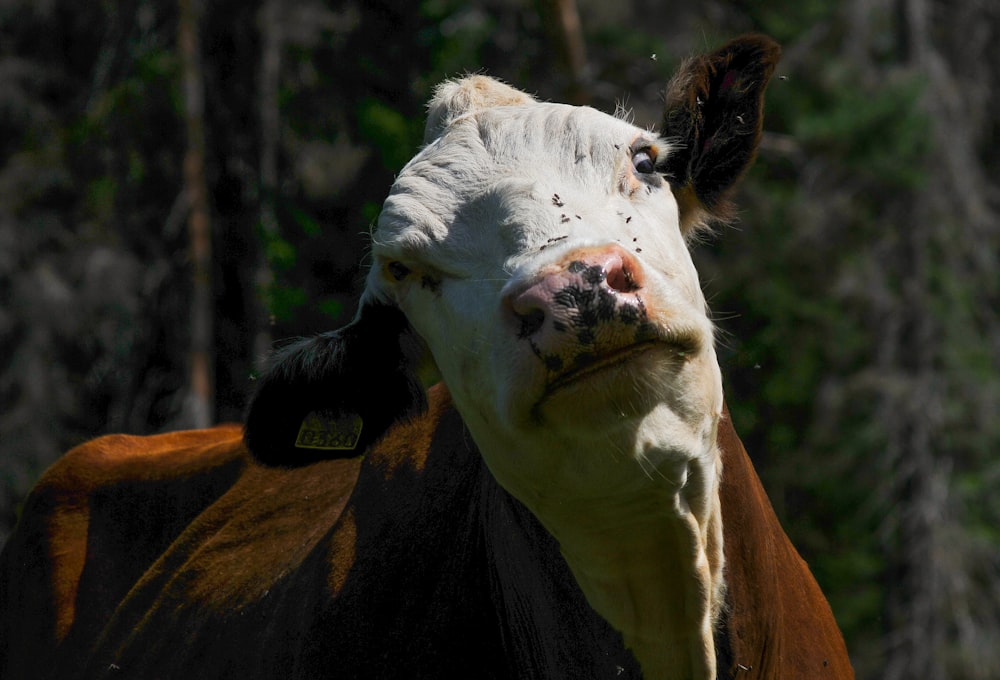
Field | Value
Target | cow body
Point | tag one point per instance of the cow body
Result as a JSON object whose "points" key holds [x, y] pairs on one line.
{"points": [[187, 558], [571, 501]]}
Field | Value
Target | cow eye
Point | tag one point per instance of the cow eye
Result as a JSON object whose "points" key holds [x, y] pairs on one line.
{"points": [[397, 270], [643, 161]]}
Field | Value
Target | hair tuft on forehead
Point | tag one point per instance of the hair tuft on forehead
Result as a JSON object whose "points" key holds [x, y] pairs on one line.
{"points": [[461, 96]]}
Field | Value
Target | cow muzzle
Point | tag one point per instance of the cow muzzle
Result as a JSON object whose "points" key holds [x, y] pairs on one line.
{"points": [[589, 311]]}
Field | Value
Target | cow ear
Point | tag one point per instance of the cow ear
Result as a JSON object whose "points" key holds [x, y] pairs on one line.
{"points": [[713, 114], [335, 394], [456, 98]]}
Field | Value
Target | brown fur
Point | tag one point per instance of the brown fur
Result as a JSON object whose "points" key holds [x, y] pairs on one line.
{"points": [[714, 111], [179, 556], [780, 624]]}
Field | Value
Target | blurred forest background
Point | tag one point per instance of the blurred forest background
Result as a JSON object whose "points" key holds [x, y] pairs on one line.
{"points": [[184, 183]]}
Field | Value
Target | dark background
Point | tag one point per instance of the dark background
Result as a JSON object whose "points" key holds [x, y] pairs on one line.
{"points": [[857, 293]]}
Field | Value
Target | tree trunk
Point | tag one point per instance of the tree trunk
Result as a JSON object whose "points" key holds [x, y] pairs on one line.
{"points": [[941, 604], [272, 44], [199, 400], [566, 31]]}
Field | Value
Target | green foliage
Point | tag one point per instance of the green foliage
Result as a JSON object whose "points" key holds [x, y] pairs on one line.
{"points": [[283, 301], [332, 307], [395, 136], [280, 253], [455, 35], [371, 211], [101, 194], [881, 134], [309, 225], [787, 20]]}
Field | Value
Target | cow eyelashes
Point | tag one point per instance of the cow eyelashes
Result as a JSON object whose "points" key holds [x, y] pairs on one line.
{"points": [[397, 270], [428, 278], [644, 160]]}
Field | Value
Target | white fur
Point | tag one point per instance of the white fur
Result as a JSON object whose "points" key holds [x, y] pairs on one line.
{"points": [[621, 468]]}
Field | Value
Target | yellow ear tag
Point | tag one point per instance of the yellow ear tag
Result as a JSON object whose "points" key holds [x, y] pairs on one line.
{"points": [[328, 432]]}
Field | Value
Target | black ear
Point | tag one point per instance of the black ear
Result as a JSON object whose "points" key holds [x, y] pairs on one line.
{"points": [[714, 113], [335, 394]]}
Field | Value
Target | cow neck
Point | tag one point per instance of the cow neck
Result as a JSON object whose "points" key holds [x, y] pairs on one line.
{"points": [[757, 551], [547, 627], [658, 582], [650, 562]]}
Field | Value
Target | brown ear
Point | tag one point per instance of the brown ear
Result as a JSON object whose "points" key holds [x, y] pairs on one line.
{"points": [[714, 113]]}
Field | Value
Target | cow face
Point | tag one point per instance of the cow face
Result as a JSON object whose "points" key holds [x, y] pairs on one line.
{"points": [[538, 251]]}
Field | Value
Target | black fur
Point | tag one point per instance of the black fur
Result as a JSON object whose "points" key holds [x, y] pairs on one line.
{"points": [[714, 109], [365, 368]]}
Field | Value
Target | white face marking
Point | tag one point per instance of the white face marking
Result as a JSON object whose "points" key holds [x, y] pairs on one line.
{"points": [[505, 195]]}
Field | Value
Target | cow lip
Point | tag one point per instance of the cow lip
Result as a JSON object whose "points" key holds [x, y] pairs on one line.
{"points": [[617, 357]]}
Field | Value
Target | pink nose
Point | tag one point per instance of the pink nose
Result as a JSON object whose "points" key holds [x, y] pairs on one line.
{"points": [[582, 303]]}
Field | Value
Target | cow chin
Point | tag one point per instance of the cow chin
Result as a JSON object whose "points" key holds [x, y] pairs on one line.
{"points": [[614, 392], [611, 392], [653, 409]]}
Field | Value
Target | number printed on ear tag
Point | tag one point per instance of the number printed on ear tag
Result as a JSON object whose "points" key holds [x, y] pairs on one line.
{"points": [[328, 431]]}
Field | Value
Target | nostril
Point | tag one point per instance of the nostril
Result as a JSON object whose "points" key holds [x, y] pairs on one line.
{"points": [[612, 270], [526, 309], [620, 279], [619, 275], [530, 322], [590, 285]]}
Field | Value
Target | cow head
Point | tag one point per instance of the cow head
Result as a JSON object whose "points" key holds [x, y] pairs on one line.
{"points": [[534, 257]]}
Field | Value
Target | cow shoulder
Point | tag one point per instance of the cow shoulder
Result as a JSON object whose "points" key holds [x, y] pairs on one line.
{"points": [[778, 623], [92, 526], [359, 564]]}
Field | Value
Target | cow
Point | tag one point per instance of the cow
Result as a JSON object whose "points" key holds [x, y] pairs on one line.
{"points": [[515, 462]]}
